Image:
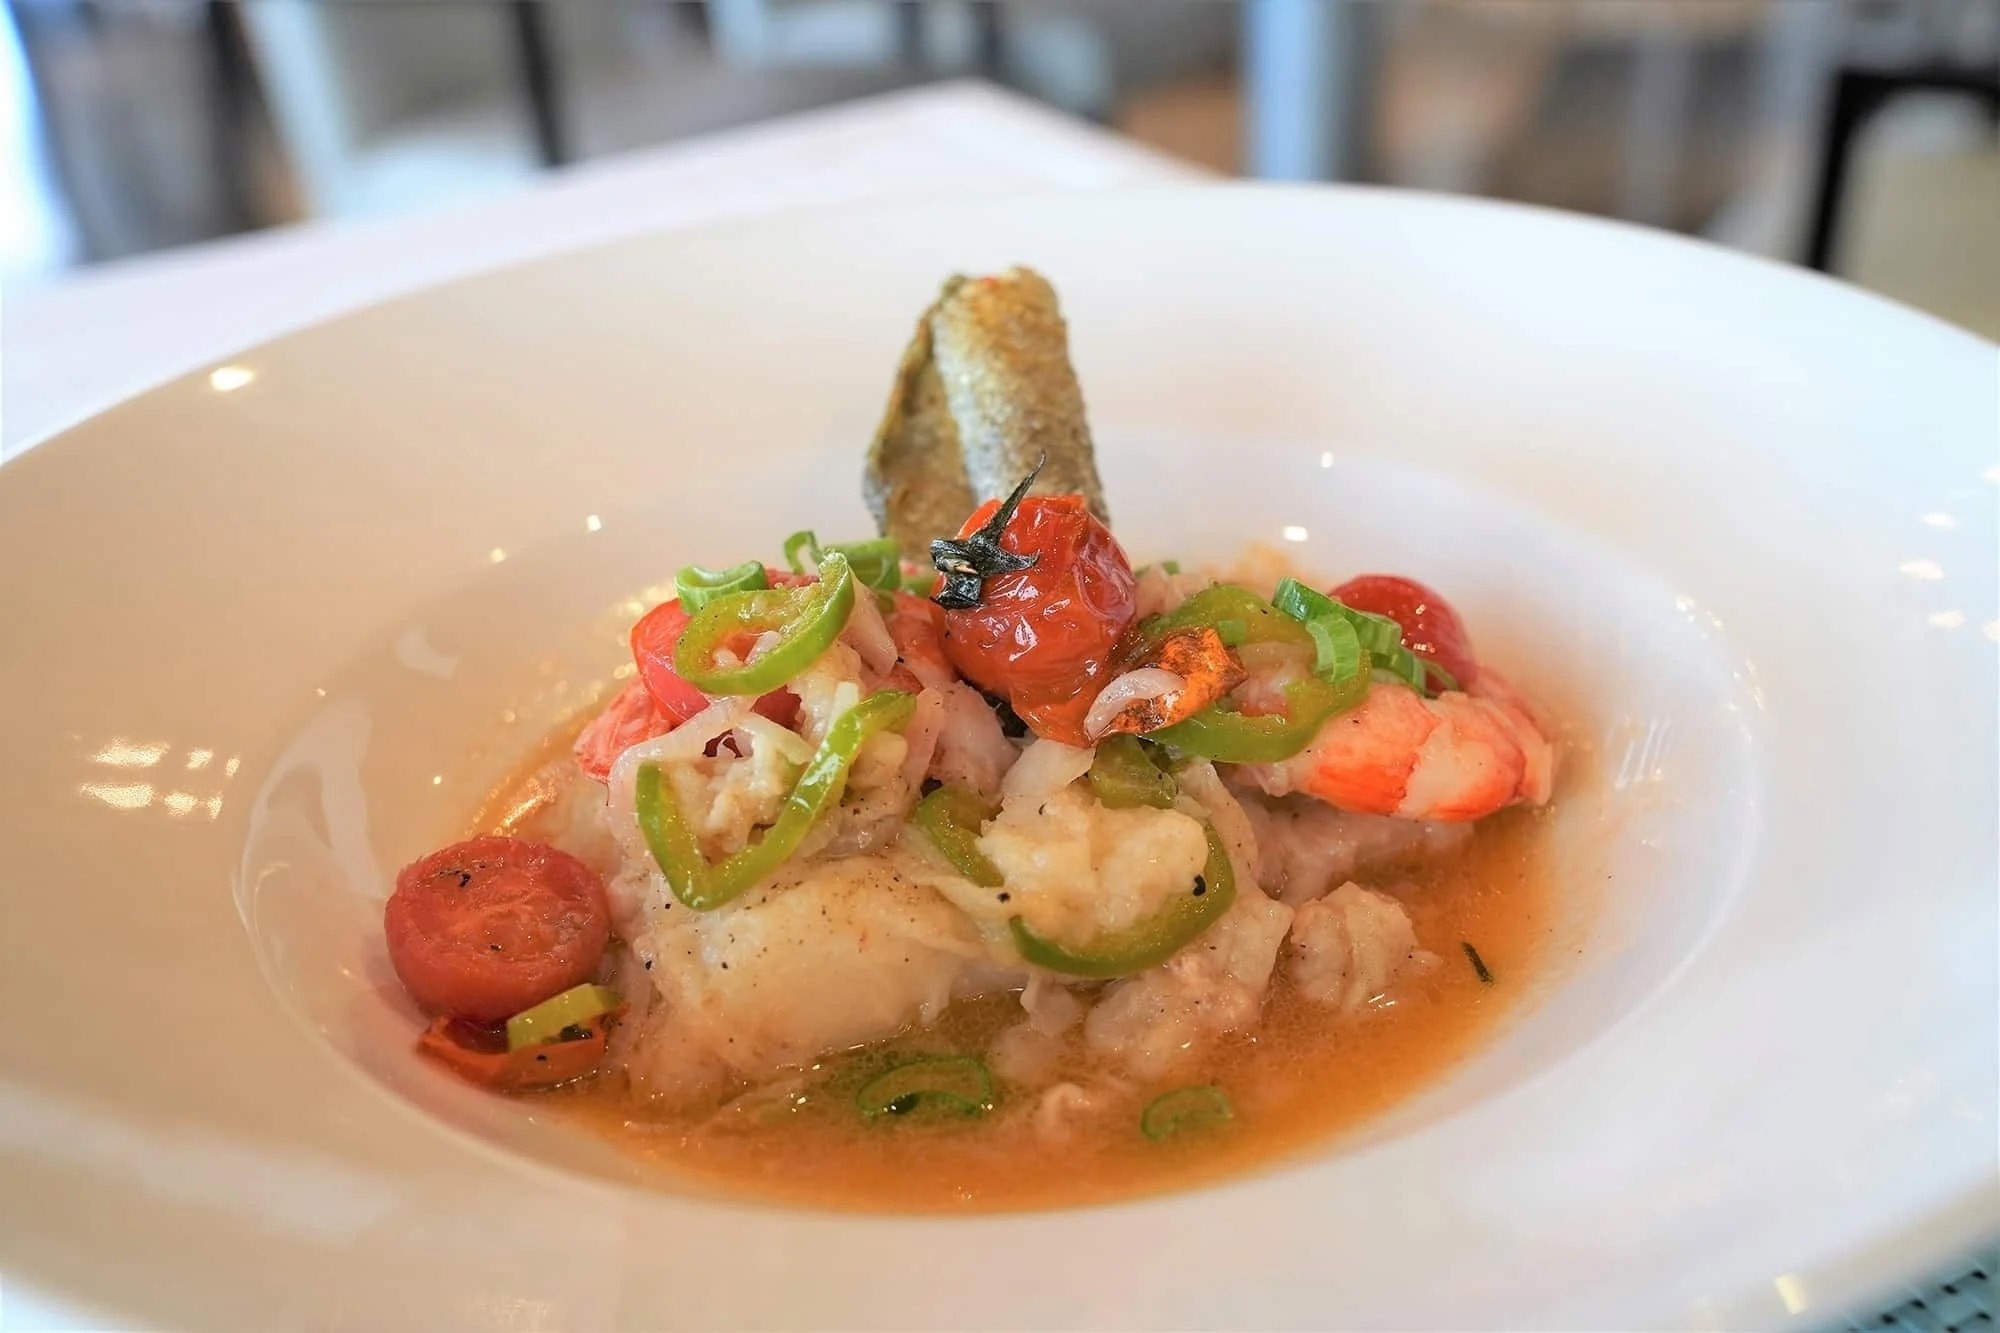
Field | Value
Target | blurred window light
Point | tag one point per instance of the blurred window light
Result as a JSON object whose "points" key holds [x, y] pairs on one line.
{"points": [[34, 235]]}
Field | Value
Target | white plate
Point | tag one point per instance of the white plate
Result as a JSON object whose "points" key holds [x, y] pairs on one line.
{"points": [[272, 630]]}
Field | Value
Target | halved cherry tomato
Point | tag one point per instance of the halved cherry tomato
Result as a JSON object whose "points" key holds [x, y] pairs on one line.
{"points": [[479, 1053], [632, 716], [487, 927], [653, 640], [1045, 636], [1430, 627]]}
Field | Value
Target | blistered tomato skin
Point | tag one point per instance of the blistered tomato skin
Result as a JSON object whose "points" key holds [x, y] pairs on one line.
{"points": [[1430, 627], [1044, 636]]}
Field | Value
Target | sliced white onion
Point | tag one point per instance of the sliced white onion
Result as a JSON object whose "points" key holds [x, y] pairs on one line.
{"points": [[690, 739], [868, 634], [1238, 836], [763, 732], [920, 734], [1044, 769], [1130, 688]]}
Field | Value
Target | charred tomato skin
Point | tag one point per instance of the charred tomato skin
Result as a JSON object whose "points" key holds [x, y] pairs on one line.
{"points": [[1045, 636]]}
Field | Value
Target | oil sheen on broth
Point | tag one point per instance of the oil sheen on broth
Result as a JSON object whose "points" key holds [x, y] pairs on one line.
{"points": [[1305, 1076]]}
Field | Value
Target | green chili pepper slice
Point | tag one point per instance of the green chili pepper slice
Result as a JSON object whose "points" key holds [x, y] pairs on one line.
{"points": [[697, 587], [956, 1084], [1185, 1108], [1151, 941], [1231, 737], [1379, 636], [545, 1022], [807, 621], [950, 817], [1235, 612], [703, 887], [1122, 775]]}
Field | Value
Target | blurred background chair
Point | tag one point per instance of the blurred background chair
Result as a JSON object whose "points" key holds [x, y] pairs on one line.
{"points": [[157, 122]]}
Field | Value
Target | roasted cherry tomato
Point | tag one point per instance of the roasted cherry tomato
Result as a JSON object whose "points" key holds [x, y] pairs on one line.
{"points": [[1044, 636], [491, 926], [1430, 627], [653, 640]]}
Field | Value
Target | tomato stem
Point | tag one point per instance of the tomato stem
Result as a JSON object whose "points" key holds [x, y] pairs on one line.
{"points": [[968, 562]]}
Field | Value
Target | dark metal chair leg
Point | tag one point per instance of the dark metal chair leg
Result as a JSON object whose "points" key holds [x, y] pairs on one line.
{"points": [[1857, 95], [1855, 98], [538, 79]]}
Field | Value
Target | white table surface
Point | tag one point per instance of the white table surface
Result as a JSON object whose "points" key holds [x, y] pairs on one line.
{"points": [[77, 344], [73, 346]]}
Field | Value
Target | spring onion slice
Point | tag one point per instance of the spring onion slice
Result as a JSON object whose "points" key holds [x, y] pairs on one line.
{"points": [[951, 1084], [698, 587], [1404, 667], [546, 1021], [1185, 1108], [1378, 636], [1336, 648], [877, 562], [801, 541]]}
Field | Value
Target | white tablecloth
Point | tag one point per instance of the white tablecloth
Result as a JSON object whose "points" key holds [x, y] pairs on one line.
{"points": [[74, 346]]}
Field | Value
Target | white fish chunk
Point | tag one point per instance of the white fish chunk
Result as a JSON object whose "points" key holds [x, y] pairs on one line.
{"points": [[817, 959], [1347, 948], [1151, 1021]]}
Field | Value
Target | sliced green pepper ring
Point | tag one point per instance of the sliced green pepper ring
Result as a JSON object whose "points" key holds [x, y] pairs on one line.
{"points": [[1151, 941], [1230, 737], [950, 817], [566, 1009], [807, 621], [703, 887], [1248, 618], [1122, 775]]}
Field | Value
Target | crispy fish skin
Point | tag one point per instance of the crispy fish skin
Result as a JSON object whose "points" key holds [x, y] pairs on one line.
{"points": [[1002, 352], [915, 482]]}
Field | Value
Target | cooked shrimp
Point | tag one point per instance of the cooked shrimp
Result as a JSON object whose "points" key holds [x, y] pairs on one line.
{"points": [[1460, 756]]}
